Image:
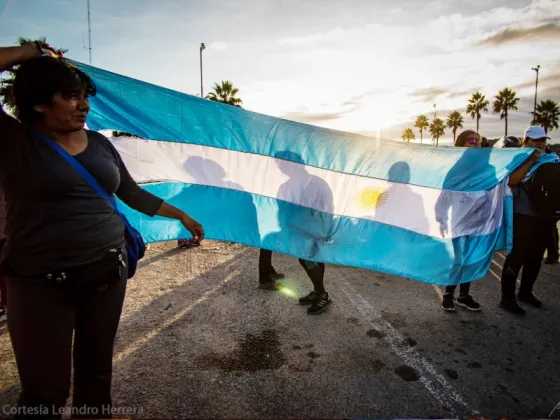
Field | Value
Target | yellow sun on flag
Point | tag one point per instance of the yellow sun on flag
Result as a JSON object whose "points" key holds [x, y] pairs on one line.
{"points": [[371, 198]]}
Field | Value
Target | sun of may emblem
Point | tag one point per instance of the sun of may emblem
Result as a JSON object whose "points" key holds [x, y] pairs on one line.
{"points": [[372, 198]]}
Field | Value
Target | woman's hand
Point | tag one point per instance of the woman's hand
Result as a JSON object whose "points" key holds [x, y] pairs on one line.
{"points": [[535, 157], [193, 227]]}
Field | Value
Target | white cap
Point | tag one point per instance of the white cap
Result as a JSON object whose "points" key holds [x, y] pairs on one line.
{"points": [[535, 132]]}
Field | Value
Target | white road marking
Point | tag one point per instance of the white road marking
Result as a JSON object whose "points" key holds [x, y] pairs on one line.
{"points": [[438, 291], [131, 347], [435, 383], [500, 266]]}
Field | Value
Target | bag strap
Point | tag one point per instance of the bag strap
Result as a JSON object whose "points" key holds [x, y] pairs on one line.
{"points": [[89, 178]]}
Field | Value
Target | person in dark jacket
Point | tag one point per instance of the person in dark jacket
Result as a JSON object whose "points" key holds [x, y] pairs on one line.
{"points": [[531, 233], [65, 257]]}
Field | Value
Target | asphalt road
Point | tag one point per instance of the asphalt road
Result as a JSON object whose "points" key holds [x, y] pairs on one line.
{"points": [[199, 340]]}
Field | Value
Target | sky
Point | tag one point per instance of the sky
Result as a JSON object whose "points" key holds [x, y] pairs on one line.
{"points": [[364, 66]]}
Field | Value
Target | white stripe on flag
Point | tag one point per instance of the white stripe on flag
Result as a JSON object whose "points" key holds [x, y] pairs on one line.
{"points": [[406, 206]]}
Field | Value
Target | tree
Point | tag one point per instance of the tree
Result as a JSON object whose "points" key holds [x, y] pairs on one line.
{"points": [[504, 101], [408, 135], [6, 84], [421, 124], [477, 104], [225, 93], [547, 115], [454, 121], [437, 130]]}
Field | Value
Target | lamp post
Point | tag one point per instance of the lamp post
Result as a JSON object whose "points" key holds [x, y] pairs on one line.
{"points": [[202, 48], [536, 87]]}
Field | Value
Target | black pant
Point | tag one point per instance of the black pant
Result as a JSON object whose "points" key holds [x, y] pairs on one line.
{"points": [[530, 238], [42, 319], [265, 266], [464, 289], [316, 273], [552, 247]]}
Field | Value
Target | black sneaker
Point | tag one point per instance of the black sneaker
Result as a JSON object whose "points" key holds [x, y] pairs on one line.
{"points": [[309, 299], [468, 302], [511, 305], [529, 298], [319, 305], [447, 303], [277, 276]]}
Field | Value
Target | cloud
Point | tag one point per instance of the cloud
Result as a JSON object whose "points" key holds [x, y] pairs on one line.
{"points": [[462, 93], [549, 81], [312, 118], [429, 94], [549, 30], [218, 46]]}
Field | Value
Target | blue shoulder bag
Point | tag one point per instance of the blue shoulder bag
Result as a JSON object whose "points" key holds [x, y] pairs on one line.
{"points": [[135, 246]]}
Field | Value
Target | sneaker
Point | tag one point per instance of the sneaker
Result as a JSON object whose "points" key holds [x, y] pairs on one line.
{"points": [[270, 285], [447, 303], [3, 314], [277, 276], [468, 302], [309, 299], [529, 298], [319, 305], [511, 305]]}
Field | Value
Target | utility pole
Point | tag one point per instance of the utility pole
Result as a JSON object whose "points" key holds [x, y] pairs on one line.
{"points": [[536, 88], [89, 30], [202, 48]]}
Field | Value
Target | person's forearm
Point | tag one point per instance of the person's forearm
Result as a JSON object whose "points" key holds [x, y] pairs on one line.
{"points": [[11, 56], [167, 210], [517, 176]]}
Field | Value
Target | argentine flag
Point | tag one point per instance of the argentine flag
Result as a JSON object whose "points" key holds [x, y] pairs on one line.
{"points": [[431, 214]]}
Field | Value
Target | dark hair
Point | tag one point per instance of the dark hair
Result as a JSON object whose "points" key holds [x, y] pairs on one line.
{"points": [[39, 79], [463, 137]]}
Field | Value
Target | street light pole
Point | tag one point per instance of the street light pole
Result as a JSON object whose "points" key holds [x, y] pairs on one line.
{"points": [[202, 47], [435, 112], [536, 87]]}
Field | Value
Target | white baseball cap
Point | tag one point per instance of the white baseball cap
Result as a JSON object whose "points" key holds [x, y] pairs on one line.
{"points": [[535, 132]]}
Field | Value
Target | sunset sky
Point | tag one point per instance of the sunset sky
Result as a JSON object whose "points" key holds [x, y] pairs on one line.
{"points": [[363, 66]]}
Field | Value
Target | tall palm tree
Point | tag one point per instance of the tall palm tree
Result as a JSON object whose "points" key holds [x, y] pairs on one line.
{"points": [[408, 135], [504, 101], [547, 115], [421, 124], [437, 130], [454, 121], [225, 93], [6, 84], [477, 104]]}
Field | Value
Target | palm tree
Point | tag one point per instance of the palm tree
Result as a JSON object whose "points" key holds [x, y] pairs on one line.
{"points": [[421, 124], [504, 101], [6, 94], [477, 104], [547, 115], [408, 135], [454, 121], [225, 93], [437, 130]]}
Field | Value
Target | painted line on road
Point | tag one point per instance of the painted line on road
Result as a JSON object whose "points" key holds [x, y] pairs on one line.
{"points": [[132, 347], [438, 291], [500, 266], [434, 382]]}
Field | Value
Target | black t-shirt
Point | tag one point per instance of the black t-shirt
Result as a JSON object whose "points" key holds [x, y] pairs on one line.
{"points": [[55, 220]]}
